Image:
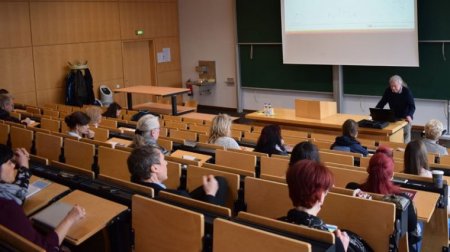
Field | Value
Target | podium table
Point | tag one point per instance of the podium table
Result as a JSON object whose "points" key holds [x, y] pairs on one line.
{"points": [[329, 125]]}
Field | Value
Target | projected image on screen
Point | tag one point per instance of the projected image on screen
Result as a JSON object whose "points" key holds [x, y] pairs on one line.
{"points": [[350, 32], [348, 15]]}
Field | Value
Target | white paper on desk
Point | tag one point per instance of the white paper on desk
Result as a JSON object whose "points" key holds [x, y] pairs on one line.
{"points": [[53, 214], [35, 187], [188, 157], [112, 143]]}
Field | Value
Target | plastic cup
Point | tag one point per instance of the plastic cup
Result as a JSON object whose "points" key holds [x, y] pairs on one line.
{"points": [[438, 178]]}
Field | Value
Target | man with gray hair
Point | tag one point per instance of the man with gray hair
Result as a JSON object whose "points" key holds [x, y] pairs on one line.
{"points": [[6, 107], [401, 101], [433, 130], [148, 167]]}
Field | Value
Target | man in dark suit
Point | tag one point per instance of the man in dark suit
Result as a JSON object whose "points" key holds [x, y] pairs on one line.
{"points": [[148, 167]]}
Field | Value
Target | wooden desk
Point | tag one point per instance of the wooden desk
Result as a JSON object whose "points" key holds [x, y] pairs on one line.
{"points": [[123, 142], [99, 212], [425, 203], [40, 199], [203, 116], [161, 108], [331, 125], [152, 90], [201, 158]]}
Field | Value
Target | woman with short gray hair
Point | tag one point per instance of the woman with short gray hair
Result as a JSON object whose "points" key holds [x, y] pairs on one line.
{"points": [[433, 130]]}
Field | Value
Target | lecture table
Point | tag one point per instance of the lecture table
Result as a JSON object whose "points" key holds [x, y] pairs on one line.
{"points": [[201, 158], [329, 125], [204, 116], [40, 199], [156, 91], [99, 212]]}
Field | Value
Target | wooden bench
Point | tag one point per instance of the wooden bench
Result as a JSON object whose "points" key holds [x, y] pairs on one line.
{"points": [[48, 146], [21, 138], [162, 227], [237, 160], [274, 166], [113, 163]]}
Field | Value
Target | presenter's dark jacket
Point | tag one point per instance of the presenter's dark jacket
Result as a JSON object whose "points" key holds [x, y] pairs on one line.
{"points": [[401, 103]]}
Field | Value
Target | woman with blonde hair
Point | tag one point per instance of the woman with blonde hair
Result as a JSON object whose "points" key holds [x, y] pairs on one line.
{"points": [[220, 132], [95, 113]]}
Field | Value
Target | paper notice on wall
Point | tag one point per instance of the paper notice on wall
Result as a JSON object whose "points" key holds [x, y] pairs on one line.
{"points": [[166, 54], [160, 57]]}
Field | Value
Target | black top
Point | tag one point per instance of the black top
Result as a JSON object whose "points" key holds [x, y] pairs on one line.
{"points": [[350, 142], [401, 103], [302, 218], [4, 115]]}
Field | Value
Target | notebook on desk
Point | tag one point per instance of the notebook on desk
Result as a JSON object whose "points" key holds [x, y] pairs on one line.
{"points": [[36, 187], [53, 214]]}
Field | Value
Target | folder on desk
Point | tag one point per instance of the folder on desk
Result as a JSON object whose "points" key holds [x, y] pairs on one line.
{"points": [[53, 214]]}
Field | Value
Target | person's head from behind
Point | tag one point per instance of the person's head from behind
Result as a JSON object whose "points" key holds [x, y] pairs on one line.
{"points": [[415, 157], [220, 127], [381, 172], [95, 113], [270, 136], [78, 122], [350, 128], [308, 182], [304, 150], [147, 131], [433, 129], [7, 173], [147, 164], [114, 110], [385, 150], [4, 91], [396, 83], [6, 102]]}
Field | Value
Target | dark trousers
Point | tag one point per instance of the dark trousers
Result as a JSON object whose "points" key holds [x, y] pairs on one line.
{"points": [[221, 195]]}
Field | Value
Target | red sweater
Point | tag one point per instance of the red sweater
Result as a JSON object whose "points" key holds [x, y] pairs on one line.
{"points": [[13, 217]]}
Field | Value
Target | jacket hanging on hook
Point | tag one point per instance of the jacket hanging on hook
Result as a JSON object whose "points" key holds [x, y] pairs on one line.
{"points": [[79, 88]]}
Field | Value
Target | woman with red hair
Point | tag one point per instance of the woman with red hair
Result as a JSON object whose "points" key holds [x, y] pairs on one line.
{"points": [[308, 183], [381, 172]]}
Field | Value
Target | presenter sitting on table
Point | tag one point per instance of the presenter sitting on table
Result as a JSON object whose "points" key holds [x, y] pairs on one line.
{"points": [[13, 189], [401, 101], [147, 167]]}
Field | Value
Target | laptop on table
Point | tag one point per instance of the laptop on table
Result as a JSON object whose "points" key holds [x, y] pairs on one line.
{"points": [[382, 115]]}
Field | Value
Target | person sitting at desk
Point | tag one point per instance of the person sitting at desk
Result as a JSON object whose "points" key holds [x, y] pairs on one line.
{"points": [[401, 101], [6, 107], [381, 172], [270, 141], [78, 124], [147, 133], [220, 132], [348, 139], [95, 113], [13, 189], [433, 130], [309, 183], [148, 167], [114, 110], [304, 150], [416, 160]]}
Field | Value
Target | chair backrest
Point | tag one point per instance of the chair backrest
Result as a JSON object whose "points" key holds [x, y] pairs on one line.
{"points": [[371, 219], [183, 134], [166, 144], [444, 160], [48, 146], [194, 180], [323, 137], [198, 122], [50, 124], [251, 137], [199, 129], [51, 112], [267, 198], [108, 123], [172, 118], [33, 110], [15, 241], [336, 158], [197, 204], [79, 154], [241, 127], [72, 169], [4, 133], [236, 134], [192, 104], [203, 138], [254, 153], [344, 176], [21, 138], [398, 165], [164, 224], [173, 175], [175, 125], [101, 134], [113, 163], [210, 146], [293, 140], [229, 169], [50, 106], [294, 133], [237, 160], [148, 191], [231, 236], [274, 166]]}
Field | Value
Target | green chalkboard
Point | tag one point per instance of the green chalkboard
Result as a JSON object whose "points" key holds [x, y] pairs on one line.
{"points": [[264, 68], [259, 21], [431, 80]]}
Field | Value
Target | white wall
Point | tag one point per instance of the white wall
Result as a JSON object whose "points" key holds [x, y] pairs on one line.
{"points": [[207, 32]]}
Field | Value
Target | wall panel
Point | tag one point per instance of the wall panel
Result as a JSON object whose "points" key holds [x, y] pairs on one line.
{"points": [[72, 22], [17, 71], [14, 24], [156, 19], [173, 44], [169, 79]]}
